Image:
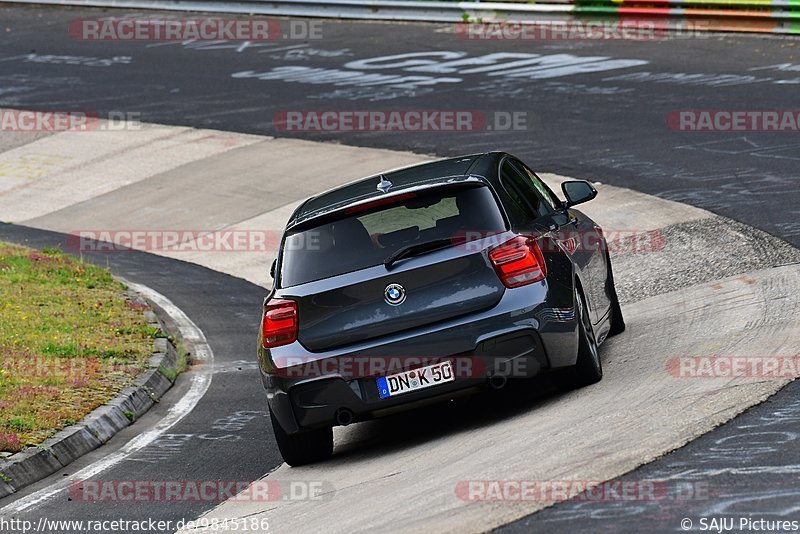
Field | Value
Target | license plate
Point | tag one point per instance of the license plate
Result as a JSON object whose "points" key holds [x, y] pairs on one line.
{"points": [[407, 381]]}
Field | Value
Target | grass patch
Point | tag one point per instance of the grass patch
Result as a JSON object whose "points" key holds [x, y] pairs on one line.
{"points": [[181, 363], [70, 339]]}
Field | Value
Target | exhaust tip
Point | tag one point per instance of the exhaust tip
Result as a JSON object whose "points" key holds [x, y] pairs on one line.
{"points": [[497, 381], [344, 416]]}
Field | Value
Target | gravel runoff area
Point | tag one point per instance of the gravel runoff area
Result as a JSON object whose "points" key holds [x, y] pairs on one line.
{"points": [[684, 260]]}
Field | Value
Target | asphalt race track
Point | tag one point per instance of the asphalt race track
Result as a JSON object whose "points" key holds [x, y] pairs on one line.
{"points": [[609, 125]]}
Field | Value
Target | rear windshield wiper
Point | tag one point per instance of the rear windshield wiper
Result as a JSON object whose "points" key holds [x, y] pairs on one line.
{"points": [[418, 248]]}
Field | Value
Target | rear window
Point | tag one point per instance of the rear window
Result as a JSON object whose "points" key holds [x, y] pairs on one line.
{"points": [[365, 239]]}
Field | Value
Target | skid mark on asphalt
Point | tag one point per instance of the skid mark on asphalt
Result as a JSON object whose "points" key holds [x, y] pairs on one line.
{"points": [[226, 428], [754, 449]]}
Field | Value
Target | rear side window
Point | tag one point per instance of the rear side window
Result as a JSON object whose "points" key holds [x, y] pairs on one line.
{"points": [[547, 195], [525, 189], [365, 239]]}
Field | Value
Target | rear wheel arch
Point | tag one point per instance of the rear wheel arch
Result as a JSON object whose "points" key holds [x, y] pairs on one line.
{"points": [[588, 367], [617, 320], [579, 285]]}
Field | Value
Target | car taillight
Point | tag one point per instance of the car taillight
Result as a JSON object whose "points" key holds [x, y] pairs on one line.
{"points": [[279, 324], [518, 262]]}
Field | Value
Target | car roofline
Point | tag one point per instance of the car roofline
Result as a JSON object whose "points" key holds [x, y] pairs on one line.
{"points": [[299, 211], [337, 210]]}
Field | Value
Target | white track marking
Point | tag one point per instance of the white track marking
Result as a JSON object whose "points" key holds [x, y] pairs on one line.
{"points": [[200, 383]]}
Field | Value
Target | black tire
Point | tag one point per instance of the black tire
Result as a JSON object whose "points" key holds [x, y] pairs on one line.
{"points": [[588, 369], [307, 447], [617, 322]]}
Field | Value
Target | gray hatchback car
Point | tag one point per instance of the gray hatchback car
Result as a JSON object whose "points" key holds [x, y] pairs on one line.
{"points": [[426, 282]]}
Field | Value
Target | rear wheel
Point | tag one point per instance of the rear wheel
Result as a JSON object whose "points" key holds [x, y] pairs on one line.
{"points": [[588, 369], [306, 447]]}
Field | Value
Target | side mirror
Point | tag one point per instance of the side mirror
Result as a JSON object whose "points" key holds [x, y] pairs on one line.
{"points": [[272, 269], [578, 192]]}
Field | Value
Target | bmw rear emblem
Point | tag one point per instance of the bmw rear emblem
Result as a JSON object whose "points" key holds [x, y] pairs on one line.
{"points": [[395, 294]]}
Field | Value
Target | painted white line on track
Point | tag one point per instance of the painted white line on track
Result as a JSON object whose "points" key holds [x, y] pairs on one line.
{"points": [[200, 383]]}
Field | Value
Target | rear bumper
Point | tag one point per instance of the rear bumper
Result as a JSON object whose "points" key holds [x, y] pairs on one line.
{"points": [[306, 402], [531, 329]]}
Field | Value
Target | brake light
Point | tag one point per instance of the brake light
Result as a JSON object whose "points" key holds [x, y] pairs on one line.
{"points": [[379, 202], [279, 324], [518, 262]]}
